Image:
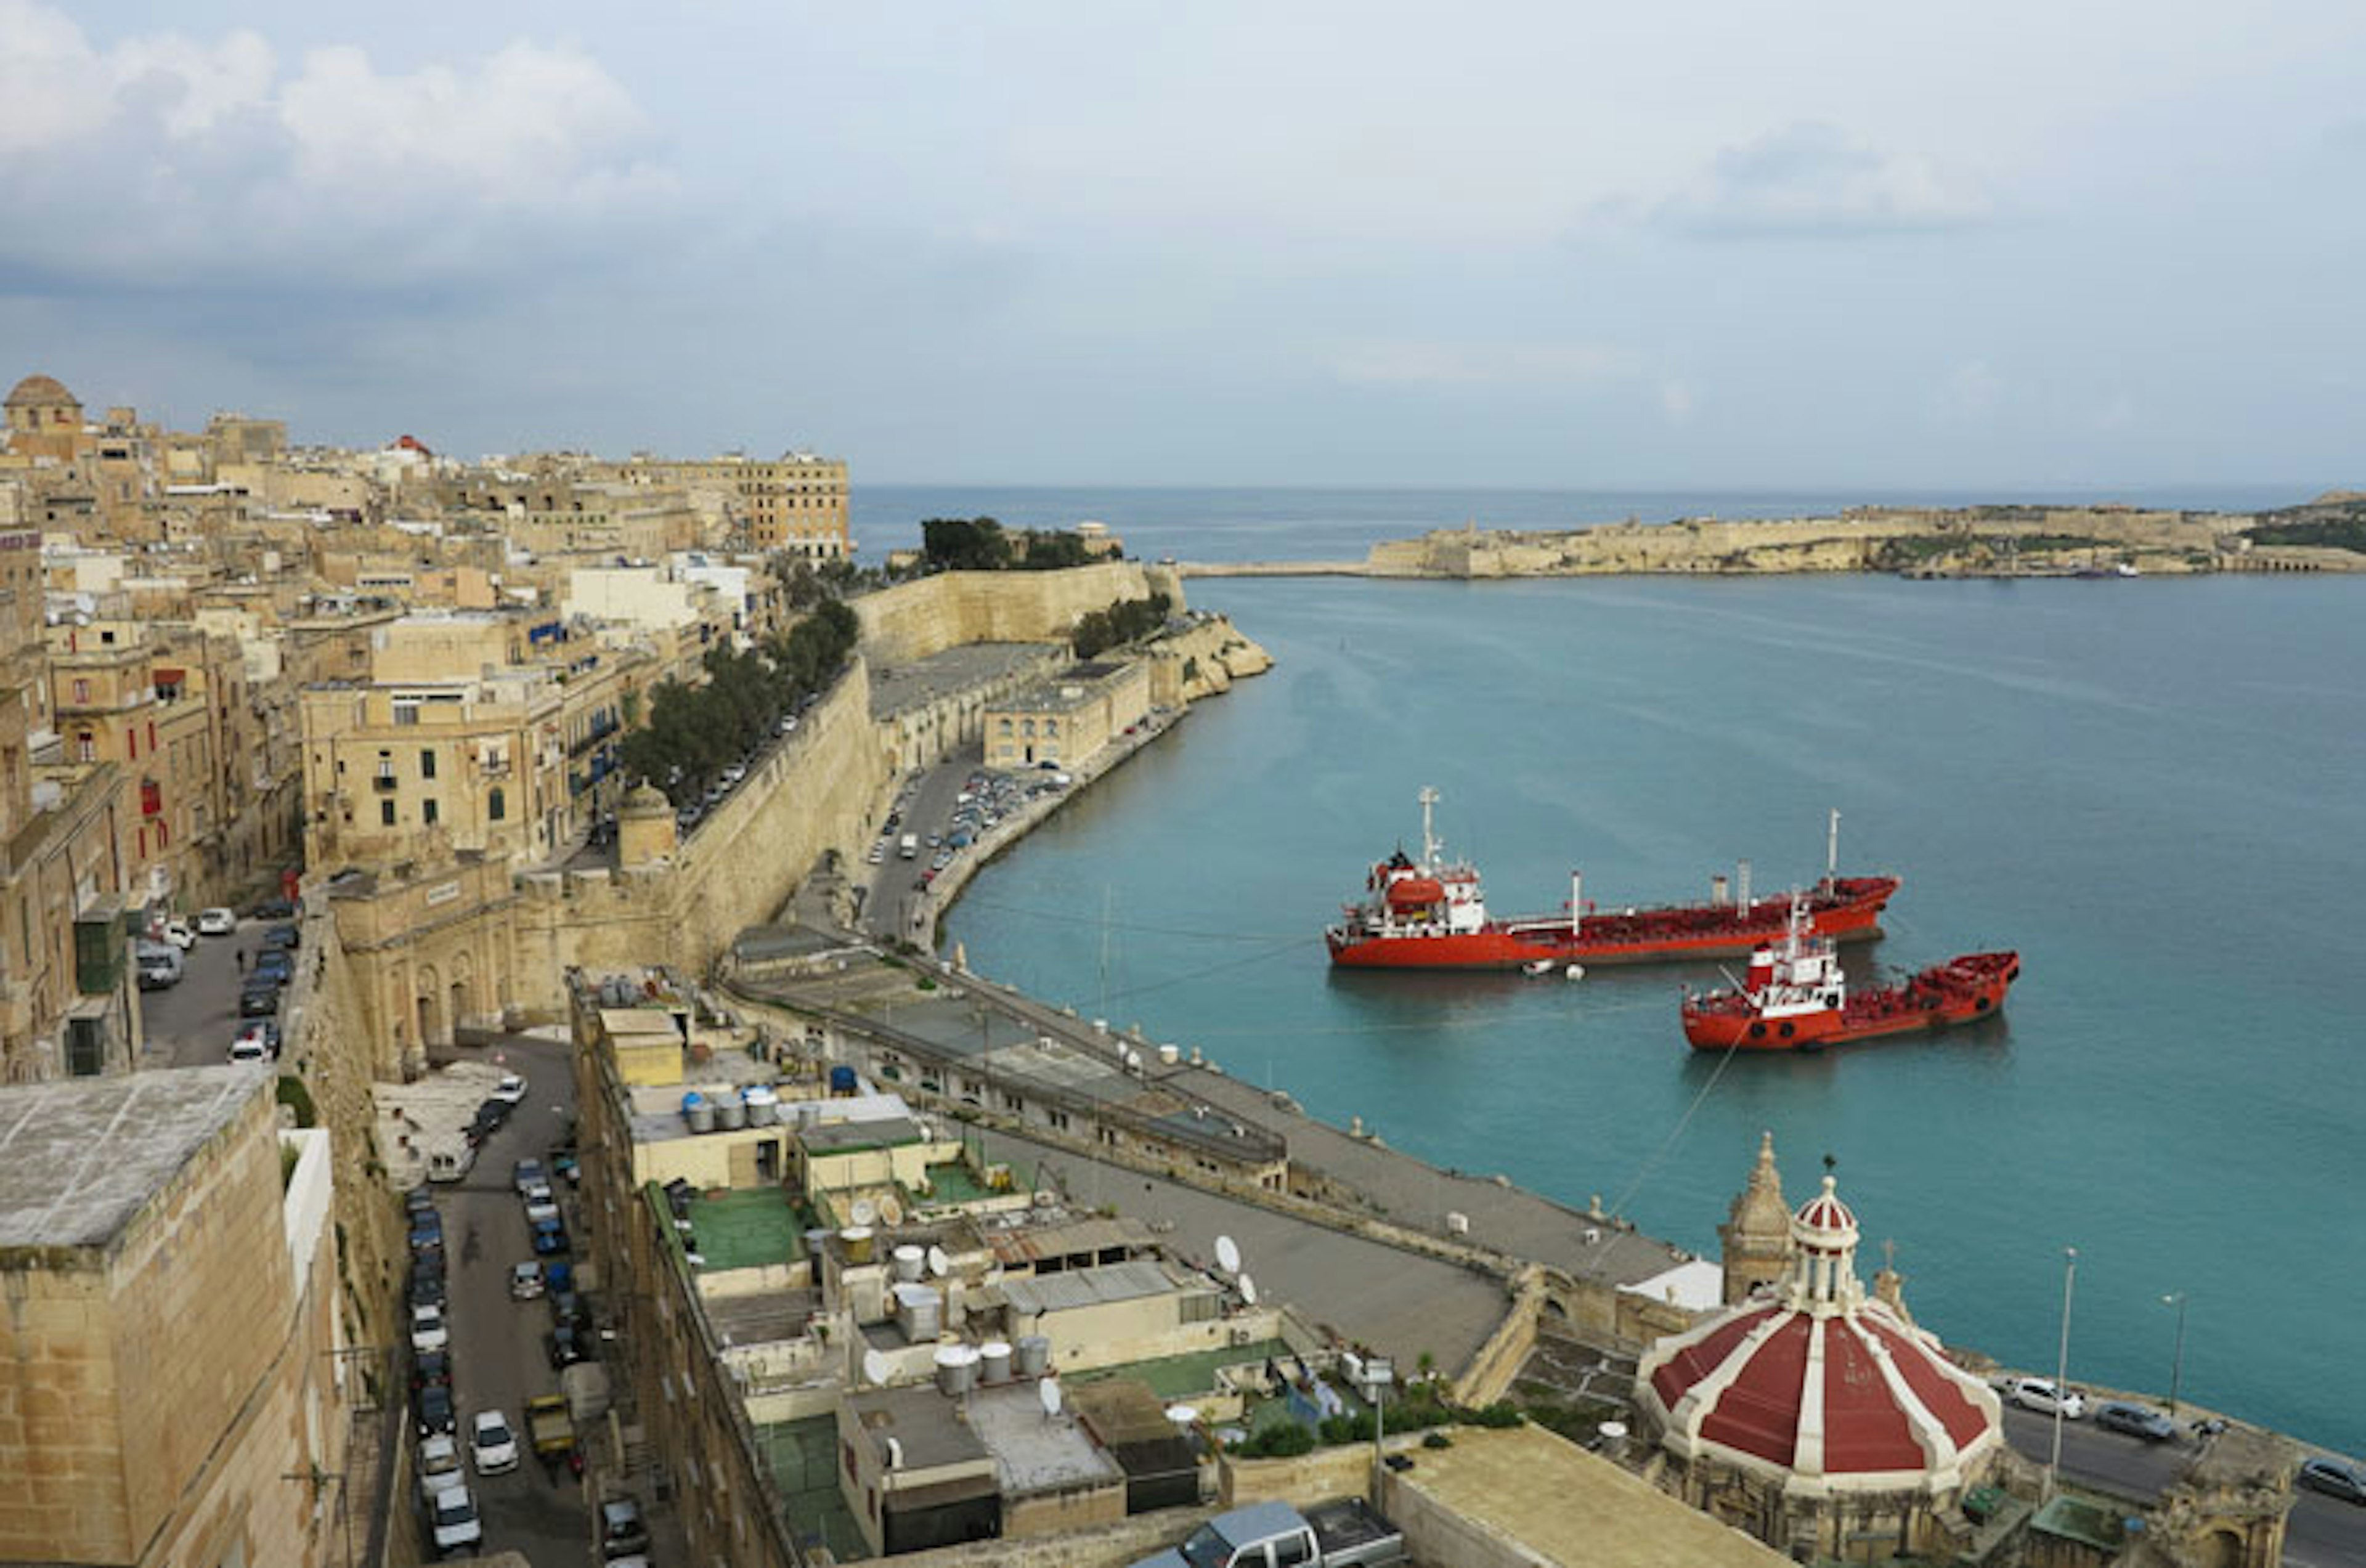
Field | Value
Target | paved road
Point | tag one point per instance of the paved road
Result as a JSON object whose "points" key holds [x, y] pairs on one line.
{"points": [[926, 808], [499, 1358], [191, 1024], [2113, 1462], [2325, 1532]]}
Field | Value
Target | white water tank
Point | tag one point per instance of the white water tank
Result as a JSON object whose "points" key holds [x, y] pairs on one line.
{"points": [[994, 1361], [920, 1313], [909, 1260], [729, 1115], [763, 1105], [956, 1368], [1035, 1356]]}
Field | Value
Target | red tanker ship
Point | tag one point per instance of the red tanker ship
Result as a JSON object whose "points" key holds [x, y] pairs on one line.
{"points": [[1795, 998], [1430, 914]]}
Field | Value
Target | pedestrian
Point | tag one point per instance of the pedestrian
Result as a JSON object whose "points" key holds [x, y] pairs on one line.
{"points": [[239, 956]]}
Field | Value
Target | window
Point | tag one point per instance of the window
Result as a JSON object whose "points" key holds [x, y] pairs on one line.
{"points": [[132, 743], [86, 747], [386, 813], [426, 765], [497, 805], [152, 735], [427, 812], [81, 691]]}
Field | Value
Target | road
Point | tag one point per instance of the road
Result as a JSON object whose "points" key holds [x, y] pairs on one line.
{"points": [[191, 1024], [2324, 1532], [926, 808], [500, 1356]]}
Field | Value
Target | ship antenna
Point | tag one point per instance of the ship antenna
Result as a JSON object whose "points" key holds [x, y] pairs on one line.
{"points": [[1428, 838], [1833, 853]]}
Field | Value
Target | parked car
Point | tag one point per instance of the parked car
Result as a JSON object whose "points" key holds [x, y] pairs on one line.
{"points": [[526, 1173], [510, 1089], [427, 1232], [160, 964], [427, 1286], [431, 1410], [258, 998], [263, 1033], [418, 1201], [217, 923], [453, 1516], [491, 1443], [540, 1206], [549, 1238], [273, 964], [565, 1347], [2040, 1394], [525, 1281], [2334, 1479], [274, 910], [566, 1307], [439, 1465], [179, 934], [278, 938], [246, 1048], [623, 1532], [2136, 1420], [428, 1331], [432, 1366]]}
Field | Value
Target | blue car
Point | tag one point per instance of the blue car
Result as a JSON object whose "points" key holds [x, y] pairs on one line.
{"points": [[549, 1238]]}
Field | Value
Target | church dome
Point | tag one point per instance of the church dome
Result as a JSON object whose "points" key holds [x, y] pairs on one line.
{"points": [[1818, 1385], [41, 392]]}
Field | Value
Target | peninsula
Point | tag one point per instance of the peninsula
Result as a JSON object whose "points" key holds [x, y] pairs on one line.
{"points": [[2328, 534]]}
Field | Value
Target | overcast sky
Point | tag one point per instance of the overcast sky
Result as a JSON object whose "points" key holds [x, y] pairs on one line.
{"points": [[1681, 246]]}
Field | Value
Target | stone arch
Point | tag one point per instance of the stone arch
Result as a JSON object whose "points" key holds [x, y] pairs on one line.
{"points": [[2221, 1548], [427, 1007]]}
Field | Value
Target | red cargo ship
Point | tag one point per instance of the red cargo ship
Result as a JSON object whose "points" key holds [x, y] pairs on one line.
{"points": [[1430, 914], [1795, 998]]}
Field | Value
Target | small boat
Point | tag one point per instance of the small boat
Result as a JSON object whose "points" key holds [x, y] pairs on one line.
{"points": [[1538, 969], [1795, 998]]}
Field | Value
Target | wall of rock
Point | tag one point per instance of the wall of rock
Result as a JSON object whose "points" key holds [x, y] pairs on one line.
{"points": [[916, 619]]}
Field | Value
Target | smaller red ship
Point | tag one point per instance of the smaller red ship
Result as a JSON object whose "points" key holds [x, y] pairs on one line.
{"points": [[1795, 998]]}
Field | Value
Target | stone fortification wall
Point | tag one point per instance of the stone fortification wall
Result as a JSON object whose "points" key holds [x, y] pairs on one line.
{"points": [[916, 619], [1201, 660]]}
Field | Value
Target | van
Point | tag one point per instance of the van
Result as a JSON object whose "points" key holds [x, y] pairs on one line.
{"points": [[909, 847], [450, 1164], [160, 964]]}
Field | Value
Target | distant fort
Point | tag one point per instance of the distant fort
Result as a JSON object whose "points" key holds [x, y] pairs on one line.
{"points": [[2325, 535]]}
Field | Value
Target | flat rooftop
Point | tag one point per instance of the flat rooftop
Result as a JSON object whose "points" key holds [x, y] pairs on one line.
{"points": [[656, 1109], [1180, 1377], [1566, 1506], [803, 1457], [1032, 1453], [750, 1228], [925, 1424], [79, 1159], [1075, 1288], [915, 683]]}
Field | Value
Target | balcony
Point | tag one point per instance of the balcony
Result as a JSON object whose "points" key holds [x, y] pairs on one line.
{"points": [[384, 784]]}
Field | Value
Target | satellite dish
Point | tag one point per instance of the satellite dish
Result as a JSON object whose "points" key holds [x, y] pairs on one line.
{"points": [[1248, 1290], [865, 1211], [1047, 1393], [891, 1211], [939, 1264], [876, 1368], [1228, 1254]]}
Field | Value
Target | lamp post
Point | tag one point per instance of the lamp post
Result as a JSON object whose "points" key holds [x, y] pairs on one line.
{"points": [[1379, 1371], [2177, 1364], [2062, 1366]]}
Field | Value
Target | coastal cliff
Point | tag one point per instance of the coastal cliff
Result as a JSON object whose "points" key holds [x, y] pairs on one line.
{"points": [[1201, 660]]}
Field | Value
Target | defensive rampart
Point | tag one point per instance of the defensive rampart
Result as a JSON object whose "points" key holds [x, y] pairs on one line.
{"points": [[914, 620]]}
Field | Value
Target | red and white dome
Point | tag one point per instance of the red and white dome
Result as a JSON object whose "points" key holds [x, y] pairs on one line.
{"points": [[1819, 1383]]}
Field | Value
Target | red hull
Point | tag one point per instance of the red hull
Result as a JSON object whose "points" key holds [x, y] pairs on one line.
{"points": [[1962, 990], [1851, 911]]}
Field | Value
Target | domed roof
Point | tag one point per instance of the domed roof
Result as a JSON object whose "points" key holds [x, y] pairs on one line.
{"points": [[41, 392], [1829, 1389]]}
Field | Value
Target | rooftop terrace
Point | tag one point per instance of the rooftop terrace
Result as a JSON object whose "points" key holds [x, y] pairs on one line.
{"points": [[804, 1460], [80, 1159], [751, 1228]]}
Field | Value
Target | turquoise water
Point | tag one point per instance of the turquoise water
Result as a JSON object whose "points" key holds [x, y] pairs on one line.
{"points": [[2151, 789]]}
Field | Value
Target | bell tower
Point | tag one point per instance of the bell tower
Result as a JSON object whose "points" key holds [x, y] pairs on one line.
{"points": [[1754, 1242]]}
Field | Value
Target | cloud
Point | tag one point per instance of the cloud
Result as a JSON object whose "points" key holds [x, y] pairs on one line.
{"points": [[1811, 178], [169, 163], [1408, 362]]}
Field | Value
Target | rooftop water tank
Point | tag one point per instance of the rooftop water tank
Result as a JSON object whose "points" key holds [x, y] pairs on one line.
{"points": [[1035, 1356], [956, 1368], [920, 1313], [763, 1105], [994, 1361], [857, 1240], [842, 1080], [729, 1115], [699, 1112], [909, 1262]]}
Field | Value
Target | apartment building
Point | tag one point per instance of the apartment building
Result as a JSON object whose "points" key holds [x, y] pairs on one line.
{"points": [[796, 502]]}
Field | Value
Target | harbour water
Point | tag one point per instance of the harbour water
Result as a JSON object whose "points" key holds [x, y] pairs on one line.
{"points": [[2150, 788]]}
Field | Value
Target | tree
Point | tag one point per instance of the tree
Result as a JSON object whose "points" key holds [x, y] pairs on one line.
{"points": [[964, 544]]}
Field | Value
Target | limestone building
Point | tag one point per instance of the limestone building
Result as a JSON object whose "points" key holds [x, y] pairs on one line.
{"points": [[1756, 1234], [1068, 717], [44, 421], [169, 1359], [796, 502]]}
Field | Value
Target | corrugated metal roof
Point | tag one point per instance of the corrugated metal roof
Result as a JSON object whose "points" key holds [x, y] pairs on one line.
{"points": [[1088, 1287]]}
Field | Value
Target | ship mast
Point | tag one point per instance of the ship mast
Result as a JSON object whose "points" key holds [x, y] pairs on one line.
{"points": [[1833, 853], [1428, 838]]}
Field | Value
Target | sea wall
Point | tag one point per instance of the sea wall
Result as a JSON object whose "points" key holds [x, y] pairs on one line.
{"points": [[1201, 660], [914, 620]]}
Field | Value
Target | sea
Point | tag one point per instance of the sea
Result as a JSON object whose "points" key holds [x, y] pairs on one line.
{"points": [[2154, 790]]}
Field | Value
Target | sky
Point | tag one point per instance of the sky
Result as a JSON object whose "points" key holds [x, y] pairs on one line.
{"points": [[1691, 245]]}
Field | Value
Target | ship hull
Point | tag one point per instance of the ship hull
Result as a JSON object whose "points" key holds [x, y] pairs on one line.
{"points": [[1852, 913], [1965, 991]]}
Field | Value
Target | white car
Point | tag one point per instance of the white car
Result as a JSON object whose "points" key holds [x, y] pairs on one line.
{"points": [[526, 1281], [539, 1204], [178, 933], [2041, 1395], [217, 923], [249, 1048], [428, 1330], [454, 1516], [510, 1089], [439, 1466], [494, 1446]]}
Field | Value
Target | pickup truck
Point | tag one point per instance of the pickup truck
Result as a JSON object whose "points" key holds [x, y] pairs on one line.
{"points": [[1346, 1534], [552, 1427]]}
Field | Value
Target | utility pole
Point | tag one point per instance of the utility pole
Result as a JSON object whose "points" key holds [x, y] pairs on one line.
{"points": [[2062, 1367], [2177, 1364]]}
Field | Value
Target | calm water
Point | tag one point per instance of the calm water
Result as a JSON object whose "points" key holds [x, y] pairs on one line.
{"points": [[2151, 789]]}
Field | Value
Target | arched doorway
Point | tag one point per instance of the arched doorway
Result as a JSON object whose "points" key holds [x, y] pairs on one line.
{"points": [[429, 1004], [2220, 1549]]}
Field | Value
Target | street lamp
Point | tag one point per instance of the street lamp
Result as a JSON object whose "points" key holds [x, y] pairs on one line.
{"points": [[1379, 1371], [2062, 1366], [2177, 1365]]}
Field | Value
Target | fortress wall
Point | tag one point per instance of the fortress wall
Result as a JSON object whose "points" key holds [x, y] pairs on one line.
{"points": [[916, 619]]}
